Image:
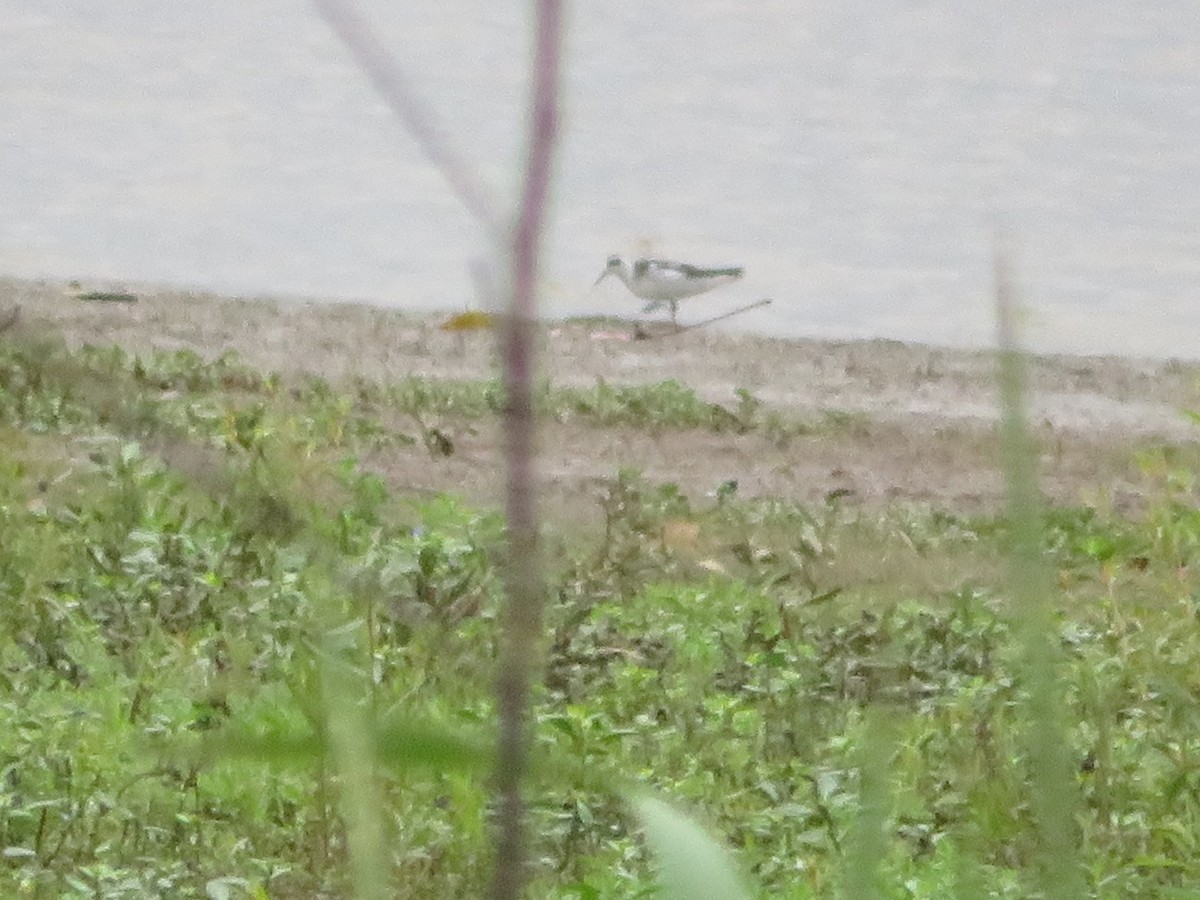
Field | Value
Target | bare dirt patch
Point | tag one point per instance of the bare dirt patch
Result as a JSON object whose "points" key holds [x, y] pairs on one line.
{"points": [[908, 423]]}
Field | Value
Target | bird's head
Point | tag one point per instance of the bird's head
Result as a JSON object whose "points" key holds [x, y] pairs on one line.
{"points": [[614, 266]]}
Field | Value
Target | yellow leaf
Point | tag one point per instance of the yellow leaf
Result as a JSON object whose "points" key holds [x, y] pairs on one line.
{"points": [[472, 320]]}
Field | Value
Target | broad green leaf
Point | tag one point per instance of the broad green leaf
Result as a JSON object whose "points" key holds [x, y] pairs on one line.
{"points": [[692, 866]]}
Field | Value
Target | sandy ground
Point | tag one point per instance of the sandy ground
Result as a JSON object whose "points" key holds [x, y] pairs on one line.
{"points": [[921, 420]]}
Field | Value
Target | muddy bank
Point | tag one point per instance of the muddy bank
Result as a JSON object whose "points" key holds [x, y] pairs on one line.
{"points": [[917, 422]]}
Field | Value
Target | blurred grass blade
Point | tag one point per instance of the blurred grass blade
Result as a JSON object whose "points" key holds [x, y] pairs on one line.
{"points": [[866, 847], [400, 745], [405, 744], [1054, 796], [349, 722], [294, 748], [692, 866]]}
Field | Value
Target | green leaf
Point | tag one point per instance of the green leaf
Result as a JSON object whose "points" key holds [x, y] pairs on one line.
{"points": [[406, 744], [692, 866], [400, 743]]}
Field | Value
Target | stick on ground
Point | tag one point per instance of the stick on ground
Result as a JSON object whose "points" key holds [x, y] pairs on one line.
{"points": [[642, 335]]}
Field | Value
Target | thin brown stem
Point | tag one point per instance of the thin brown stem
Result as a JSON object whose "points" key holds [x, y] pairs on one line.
{"points": [[393, 86], [523, 615]]}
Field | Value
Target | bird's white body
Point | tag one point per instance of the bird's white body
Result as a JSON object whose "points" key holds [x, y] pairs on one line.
{"points": [[664, 282]]}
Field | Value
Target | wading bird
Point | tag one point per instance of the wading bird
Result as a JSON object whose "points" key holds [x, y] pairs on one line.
{"points": [[665, 283]]}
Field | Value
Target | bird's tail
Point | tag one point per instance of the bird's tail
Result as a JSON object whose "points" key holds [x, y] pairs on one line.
{"points": [[732, 271]]}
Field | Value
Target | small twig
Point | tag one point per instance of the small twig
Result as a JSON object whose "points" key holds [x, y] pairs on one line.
{"points": [[393, 86], [642, 335]]}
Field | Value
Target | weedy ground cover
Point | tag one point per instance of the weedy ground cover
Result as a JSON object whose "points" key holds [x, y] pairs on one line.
{"points": [[198, 577]]}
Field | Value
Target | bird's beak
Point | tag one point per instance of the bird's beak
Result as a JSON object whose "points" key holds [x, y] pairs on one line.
{"points": [[603, 275]]}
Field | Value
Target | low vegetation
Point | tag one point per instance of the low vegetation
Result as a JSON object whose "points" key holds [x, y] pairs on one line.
{"points": [[200, 581]]}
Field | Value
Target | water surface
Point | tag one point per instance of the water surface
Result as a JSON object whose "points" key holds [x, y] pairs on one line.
{"points": [[856, 156]]}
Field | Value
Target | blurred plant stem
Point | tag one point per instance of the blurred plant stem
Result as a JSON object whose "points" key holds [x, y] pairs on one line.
{"points": [[523, 613], [1055, 799]]}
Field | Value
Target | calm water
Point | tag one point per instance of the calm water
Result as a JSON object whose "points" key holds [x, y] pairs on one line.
{"points": [[855, 155]]}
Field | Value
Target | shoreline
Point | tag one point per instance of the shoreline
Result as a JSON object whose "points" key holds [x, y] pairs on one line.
{"points": [[917, 422], [14, 285]]}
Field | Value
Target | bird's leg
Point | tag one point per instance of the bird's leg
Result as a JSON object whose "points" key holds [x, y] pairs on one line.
{"points": [[674, 310]]}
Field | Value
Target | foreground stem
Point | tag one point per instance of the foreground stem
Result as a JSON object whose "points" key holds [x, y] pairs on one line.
{"points": [[523, 613]]}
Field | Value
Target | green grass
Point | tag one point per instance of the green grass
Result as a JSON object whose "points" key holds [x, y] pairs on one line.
{"points": [[211, 614], [401, 410]]}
